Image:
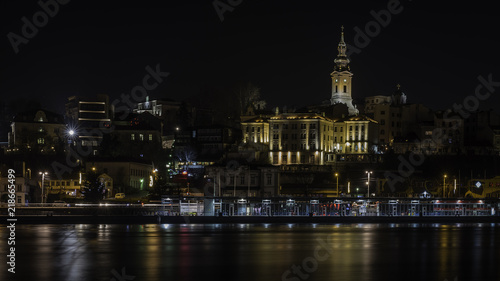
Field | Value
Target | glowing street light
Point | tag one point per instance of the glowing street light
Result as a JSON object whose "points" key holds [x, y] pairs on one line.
{"points": [[337, 176], [444, 184], [43, 184], [368, 183]]}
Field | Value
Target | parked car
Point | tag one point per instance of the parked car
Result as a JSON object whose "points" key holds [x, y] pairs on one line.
{"points": [[119, 195], [59, 203]]}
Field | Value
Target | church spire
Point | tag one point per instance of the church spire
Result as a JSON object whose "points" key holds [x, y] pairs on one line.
{"points": [[342, 62]]}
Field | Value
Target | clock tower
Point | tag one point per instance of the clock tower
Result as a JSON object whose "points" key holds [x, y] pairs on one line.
{"points": [[342, 78]]}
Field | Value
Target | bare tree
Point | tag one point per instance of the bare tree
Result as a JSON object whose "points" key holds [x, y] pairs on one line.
{"points": [[247, 95]]}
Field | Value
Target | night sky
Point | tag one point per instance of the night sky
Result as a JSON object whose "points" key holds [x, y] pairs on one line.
{"points": [[286, 48]]}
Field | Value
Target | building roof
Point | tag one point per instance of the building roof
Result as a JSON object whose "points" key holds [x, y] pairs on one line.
{"points": [[39, 116], [360, 117], [293, 116]]}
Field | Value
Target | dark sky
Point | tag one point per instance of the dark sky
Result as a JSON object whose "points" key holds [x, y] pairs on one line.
{"points": [[286, 48]]}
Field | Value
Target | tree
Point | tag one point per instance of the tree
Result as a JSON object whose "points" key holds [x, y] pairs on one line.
{"points": [[185, 154], [247, 95], [159, 187], [93, 188]]}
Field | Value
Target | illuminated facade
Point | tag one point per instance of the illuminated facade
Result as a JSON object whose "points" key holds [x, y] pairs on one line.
{"points": [[85, 115], [300, 138], [355, 135], [255, 130]]}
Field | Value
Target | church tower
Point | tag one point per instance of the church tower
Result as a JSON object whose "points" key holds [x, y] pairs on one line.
{"points": [[342, 78]]}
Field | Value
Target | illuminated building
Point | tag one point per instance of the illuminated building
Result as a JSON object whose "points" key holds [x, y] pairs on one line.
{"points": [[300, 138], [88, 114], [355, 135]]}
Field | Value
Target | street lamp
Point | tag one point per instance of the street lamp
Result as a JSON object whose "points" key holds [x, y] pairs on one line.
{"points": [[43, 184], [368, 183], [444, 184], [337, 176]]}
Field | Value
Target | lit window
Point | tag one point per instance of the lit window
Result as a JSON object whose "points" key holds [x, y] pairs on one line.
{"points": [[150, 137], [141, 137], [40, 141], [132, 136]]}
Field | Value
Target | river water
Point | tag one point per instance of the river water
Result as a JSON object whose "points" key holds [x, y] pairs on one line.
{"points": [[254, 252]]}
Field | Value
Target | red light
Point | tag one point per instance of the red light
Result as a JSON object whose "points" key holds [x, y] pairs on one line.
{"points": [[184, 173]]}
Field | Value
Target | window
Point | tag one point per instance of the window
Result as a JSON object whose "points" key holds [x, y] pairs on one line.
{"points": [[382, 112], [269, 179], [335, 139], [350, 128], [285, 126], [357, 127], [336, 88], [294, 126], [340, 138], [382, 132], [141, 137], [345, 89], [382, 122], [303, 126], [242, 179], [341, 129], [132, 137], [40, 141], [362, 127], [258, 129], [312, 126], [335, 129], [150, 137], [252, 179], [276, 126]]}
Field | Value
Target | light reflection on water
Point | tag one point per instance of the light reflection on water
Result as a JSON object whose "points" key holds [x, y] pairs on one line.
{"points": [[256, 252]]}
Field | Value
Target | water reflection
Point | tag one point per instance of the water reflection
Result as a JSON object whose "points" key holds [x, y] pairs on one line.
{"points": [[257, 252]]}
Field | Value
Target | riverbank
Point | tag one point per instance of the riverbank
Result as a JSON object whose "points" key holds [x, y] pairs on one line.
{"points": [[243, 219]]}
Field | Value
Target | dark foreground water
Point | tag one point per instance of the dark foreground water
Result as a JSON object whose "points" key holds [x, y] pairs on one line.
{"points": [[254, 252]]}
